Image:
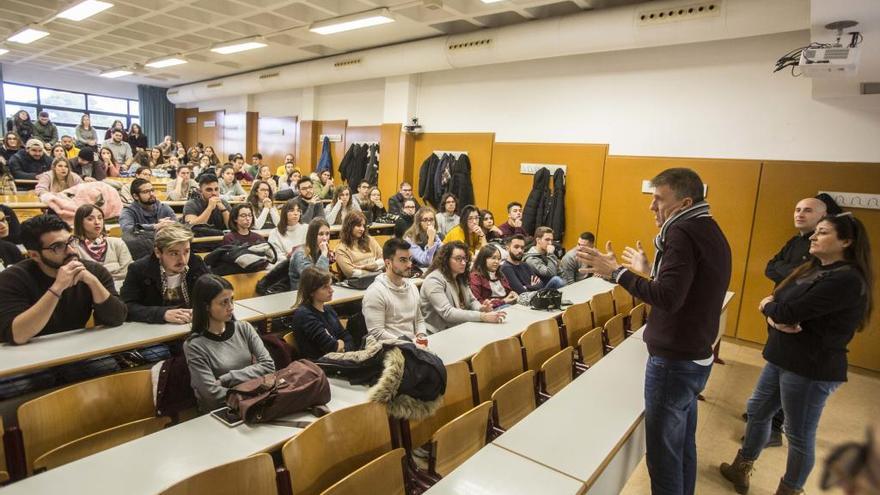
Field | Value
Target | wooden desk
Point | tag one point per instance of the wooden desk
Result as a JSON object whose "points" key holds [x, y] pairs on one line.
{"points": [[494, 470]]}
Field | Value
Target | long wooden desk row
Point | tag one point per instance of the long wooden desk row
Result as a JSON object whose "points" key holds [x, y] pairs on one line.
{"points": [[374, 229]]}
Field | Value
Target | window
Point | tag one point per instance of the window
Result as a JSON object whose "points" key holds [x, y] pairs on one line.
{"points": [[66, 107]]}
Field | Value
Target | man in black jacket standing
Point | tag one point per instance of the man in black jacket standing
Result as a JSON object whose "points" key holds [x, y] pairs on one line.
{"points": [[689, 278]]}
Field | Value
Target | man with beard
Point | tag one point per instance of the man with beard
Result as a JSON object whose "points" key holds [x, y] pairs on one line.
{"points": [[143, 217], [158, 288], [53, 290], [69, 146], [309, 204], [391, 302], [521, 276]]}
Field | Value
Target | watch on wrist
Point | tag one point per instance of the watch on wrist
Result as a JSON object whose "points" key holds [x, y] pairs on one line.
{"points": [[616, 273]]}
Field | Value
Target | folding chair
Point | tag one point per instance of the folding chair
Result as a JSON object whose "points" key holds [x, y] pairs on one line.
{"points": [[513, 401], [603, 308], [591, 347], [253, 475], [495, 364], [556, 372], [614, 333], [637, 317], [384, 476], [459, 439]]}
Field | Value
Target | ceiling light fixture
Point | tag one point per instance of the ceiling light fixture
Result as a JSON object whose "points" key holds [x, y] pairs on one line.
{"points": [[117, 72], [239, 45], [28, 35], [84, 10], [354, 21], [159, 63], [492, 1], [3, 51]]}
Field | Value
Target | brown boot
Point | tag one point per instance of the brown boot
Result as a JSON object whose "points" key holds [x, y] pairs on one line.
{"points": [[738, 473], [783, 489]]}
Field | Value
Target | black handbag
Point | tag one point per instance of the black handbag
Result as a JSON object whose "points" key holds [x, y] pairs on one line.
{"points": [[547, 299]]}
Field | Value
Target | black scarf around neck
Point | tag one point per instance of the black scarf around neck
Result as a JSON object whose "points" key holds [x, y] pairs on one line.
{"points": [[700, 209]]}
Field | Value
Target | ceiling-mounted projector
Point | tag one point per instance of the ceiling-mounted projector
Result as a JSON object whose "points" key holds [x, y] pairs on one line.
{"points": [[819, 59]]}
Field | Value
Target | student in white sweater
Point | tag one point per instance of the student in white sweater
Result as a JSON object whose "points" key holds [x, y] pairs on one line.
{"points": [[290, 234], [93, 244], [391, 303], [342, 204]]}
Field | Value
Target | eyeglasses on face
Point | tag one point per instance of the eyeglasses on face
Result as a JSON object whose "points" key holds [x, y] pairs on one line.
{"points": [[60, 247]]}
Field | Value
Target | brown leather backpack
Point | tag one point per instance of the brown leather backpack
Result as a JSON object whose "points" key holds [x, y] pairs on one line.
{"points": [[302, 386]]}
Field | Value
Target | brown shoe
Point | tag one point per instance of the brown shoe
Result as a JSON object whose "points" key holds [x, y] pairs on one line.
{"points": [[738, 473], [783, 489]]}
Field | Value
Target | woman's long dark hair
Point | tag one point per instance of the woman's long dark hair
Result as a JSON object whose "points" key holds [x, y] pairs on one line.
{"points": [[441, 263], [206, 288], [354, 219], [311, 249], [858, 254], [79, 217], [310, 280], [471, 239], [480, 262], [233, 216], [282, 222], [252, 196]]}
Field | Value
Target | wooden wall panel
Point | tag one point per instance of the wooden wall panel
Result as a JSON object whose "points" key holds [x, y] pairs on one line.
{"points": [[252, 124], [276, 137], [782, 185], [478, 145], [234, 135], [188, 133], [585, 164], [733, 186], [391, 138], [305, 145], [337, 149], [213, 135]]}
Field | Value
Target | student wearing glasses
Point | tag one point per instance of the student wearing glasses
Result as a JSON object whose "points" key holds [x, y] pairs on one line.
{"points": [[240, 222], [265, 214], [468, 230], [423, 238]]}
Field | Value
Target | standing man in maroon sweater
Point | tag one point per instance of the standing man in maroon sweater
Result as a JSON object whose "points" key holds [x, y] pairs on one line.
{"points": [[689, 278]]}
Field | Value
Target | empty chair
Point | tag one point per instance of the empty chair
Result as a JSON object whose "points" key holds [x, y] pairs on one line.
{"points": [[623, 300], [514, 400], [459, 439], [253, 475], [244, 285], [335, 446], [458, 399], [556, 372], [578, 320], [603, 308], [495, 364], [88, 417], [614, 333], [4, 474], [591, 347], [637, 317], [540, 340], [381, 476]]}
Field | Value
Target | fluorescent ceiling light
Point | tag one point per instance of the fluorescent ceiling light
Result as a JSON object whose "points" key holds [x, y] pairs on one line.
{"points": [[28, 35], [160, 63], [492, 1], [84, 10], [3, 51], [354, 21], [114, 73], [239, 45]]}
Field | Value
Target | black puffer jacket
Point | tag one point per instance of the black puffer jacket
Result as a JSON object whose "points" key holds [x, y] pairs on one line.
{"points": [[556, 217], [460, 183], [426, 179], [533, 212]]}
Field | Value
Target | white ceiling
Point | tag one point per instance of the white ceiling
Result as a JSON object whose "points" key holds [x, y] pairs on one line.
{"points": [[134, 31]]}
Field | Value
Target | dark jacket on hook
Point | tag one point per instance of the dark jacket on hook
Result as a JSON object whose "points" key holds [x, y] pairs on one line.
{"points": [[460, 183], [556, 217], [536, 203]]}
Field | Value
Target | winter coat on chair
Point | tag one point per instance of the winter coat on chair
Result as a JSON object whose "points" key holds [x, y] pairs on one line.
{"points": [[537, 200], [556, 217]]}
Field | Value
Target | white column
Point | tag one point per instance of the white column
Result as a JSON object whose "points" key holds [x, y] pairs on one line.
{"points": [[401, 98]]}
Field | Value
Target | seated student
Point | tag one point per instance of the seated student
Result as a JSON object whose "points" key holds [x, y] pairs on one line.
{"points": [[145, 173], [363, 195], [513, 225], [204, 167], [341, 206], [406, 218], [14, 235], [265, 214], [241, 174], [30, 161], [290, 234], [9, 252], [145, 212], [541, 257], [391, 304], [7, 183], [376, 210], [487, 224], [570, 268], [264, 173], [315, 252], [240, 221], [84, 165], [487, 282], [158, 287], [57, 179], [141, 159], [288, 167], [108, 162], [468, 230], [310, 205], [316, 326], [423, 238], [323, 184], [207, 208], [256, 163], [93, 243], [220, 351], [180, 188], [446, 300], [395, 203], [289, 180], [230, 188], [53, 291], [521, 277], [447, 217], [357, 253]]}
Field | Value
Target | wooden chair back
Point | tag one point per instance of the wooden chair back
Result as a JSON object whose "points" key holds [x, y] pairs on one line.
{"points": [[4, 474], [290, 339], [253, 475], [514, 400], [115, 231], [335, 446], [383, 475], [244, 285], [578, 320], [458, 399], [623, 301], [540, 340], [603, 308], [591, 347], [82, 409], [556, 372], [637, 317], [495, 364], [614, 332], [459, 439]]}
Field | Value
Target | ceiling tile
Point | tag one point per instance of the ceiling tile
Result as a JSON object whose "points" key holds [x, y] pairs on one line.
{"points": [[225, 7], [272, 22], [421, 14], [302, 12], [500, 19], [240, 28]]}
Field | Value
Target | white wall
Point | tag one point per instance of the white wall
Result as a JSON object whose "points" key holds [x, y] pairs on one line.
{"points": [[71, 82], [360, 102], [277, 103]]}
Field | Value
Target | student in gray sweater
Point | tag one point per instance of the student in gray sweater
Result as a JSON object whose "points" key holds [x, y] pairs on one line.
{"points": [[220, 352], [315, 252], [570, 267], [541, 257], [391, 303]]}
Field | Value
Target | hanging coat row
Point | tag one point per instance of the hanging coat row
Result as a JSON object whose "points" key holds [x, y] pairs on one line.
{"points": [[360, 163], [439, 175], [545, 208]]}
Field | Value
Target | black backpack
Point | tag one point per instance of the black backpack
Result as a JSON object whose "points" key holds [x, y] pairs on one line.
{"points": [[547, 299], [277, 280]]}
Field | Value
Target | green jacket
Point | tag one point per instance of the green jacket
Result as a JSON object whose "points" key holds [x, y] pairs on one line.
{"points": [[48, 133]]}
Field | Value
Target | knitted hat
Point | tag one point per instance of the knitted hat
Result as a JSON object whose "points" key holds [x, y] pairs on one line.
{"points": [[831, 206]]}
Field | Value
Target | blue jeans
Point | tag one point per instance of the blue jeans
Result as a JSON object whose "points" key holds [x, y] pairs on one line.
{"points": [[671, 389], [802, 399], [556, 282]]}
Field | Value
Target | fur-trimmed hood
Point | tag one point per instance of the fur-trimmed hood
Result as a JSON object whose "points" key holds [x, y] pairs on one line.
{"points": [[412, 383]]}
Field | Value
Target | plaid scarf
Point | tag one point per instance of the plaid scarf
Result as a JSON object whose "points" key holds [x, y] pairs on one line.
{"points": [[698, 210], [183, 287]]}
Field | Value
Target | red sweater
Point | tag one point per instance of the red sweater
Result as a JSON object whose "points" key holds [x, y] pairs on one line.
{"points": [[482, 289]]}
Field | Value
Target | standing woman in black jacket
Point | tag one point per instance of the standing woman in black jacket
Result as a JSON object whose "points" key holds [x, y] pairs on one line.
{"points": [[137, 139], [812, 316]]}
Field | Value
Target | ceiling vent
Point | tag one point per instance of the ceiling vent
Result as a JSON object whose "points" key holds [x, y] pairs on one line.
{"points": [[215, 85], [172, 92], [485, 42], [871, 88], [347, 63], [685, 12], [270, 75]]}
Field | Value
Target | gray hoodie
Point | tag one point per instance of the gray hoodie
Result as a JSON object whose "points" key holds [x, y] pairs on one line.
{"points": [[392, 311], [570, 268]]}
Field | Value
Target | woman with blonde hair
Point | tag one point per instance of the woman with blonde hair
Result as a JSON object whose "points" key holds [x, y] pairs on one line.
{"points": [[57, 178]]}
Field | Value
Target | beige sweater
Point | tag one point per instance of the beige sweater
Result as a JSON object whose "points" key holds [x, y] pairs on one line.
{"points": [[116, 260], [353, 262]]}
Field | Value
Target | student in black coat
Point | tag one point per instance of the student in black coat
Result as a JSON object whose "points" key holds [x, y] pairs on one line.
{"points": [[158, 288], [30, 162], [315, 325], [395, 203]]}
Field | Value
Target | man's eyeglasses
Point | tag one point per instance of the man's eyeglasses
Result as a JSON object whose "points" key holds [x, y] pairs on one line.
{"points": [[60, 247], [146, 191]]}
